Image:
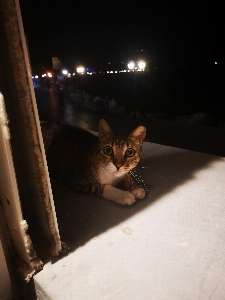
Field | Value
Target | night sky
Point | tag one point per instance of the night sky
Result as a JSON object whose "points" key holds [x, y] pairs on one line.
{"points": [[94, 32]]}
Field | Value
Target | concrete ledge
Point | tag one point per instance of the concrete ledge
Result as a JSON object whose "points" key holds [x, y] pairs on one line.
{"points": [[171, 245]]}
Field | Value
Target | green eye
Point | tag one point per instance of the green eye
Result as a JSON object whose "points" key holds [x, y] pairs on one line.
{"points": [[108, 150], [130, 152]]}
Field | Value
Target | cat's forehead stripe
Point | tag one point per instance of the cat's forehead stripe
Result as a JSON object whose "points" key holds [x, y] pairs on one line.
{"points": [[120, 141]]}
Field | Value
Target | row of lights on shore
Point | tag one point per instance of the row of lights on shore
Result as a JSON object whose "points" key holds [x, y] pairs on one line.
{"points": [[132, 67]]}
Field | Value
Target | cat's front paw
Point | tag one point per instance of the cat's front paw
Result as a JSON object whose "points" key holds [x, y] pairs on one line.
{"points": [[117, 195], [139, 193], [128, 199]]}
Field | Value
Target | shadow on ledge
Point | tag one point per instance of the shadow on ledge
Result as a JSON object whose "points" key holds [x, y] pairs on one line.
{"points": [[82, 217]]}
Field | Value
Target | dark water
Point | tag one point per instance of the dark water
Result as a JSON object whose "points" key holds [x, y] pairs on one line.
{"points": [[191, 136], [172, 93]]}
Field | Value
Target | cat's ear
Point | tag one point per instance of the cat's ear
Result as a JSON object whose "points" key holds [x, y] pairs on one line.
{"points": [[138, 134], [104, 129]]}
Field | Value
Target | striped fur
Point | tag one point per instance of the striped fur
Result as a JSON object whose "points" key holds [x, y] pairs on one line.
{"points": [[91, 164]]}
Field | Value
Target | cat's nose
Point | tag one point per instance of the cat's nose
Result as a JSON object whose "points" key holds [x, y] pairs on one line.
{"points": [[118, 166]]}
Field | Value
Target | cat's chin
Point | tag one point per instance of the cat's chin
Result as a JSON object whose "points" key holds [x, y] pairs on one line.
{"points": [[118, 173]]}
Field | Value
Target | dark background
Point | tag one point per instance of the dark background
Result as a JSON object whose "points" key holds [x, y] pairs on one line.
{"points": [[180, 40]]}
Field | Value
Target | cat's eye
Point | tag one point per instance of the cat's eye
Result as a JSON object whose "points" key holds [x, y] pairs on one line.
{"points": [[130, 152], [108, 150]]}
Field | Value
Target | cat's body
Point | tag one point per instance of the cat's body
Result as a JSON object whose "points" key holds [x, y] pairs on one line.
{"points": [[87, 163]]}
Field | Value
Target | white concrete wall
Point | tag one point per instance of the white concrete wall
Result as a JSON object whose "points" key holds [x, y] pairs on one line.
{"points": [[5, 283]]}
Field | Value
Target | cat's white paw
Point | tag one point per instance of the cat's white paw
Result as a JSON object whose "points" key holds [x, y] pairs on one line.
{"points": [[129, 198], [139, 193]]}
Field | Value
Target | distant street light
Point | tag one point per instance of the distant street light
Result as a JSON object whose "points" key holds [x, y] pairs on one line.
{"points": [[65, 72], [141, 65], [131, 65], [80, 70]]}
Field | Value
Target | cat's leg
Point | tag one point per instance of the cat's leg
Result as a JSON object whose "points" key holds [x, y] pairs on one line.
{"points": [[132, 187], [117, 195]]}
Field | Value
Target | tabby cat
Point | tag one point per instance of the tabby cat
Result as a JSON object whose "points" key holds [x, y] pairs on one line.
{"points": [[85, 162]]}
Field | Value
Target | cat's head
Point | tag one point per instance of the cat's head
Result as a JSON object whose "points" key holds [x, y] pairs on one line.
{"points": [[120, 154]]}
